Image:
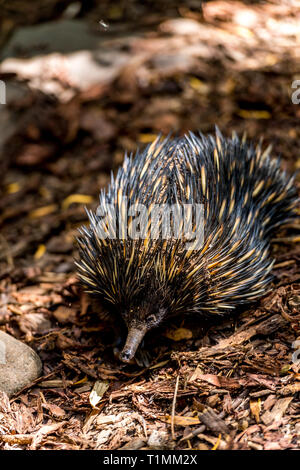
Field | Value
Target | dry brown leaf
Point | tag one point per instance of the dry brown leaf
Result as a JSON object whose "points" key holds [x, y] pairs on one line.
{"points": [[179, 334], [181, 420]]}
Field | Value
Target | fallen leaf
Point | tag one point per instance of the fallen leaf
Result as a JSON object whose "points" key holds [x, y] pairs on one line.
{"points": [[253, 114], [179, 334], [42, 211], [199, 86], [40, 251], [147, 138], [97, 393], [181, 420], [78, 198], [13, 188]]}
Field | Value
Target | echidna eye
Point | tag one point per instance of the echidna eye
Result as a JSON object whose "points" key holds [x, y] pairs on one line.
{"points": [[151, 319]]}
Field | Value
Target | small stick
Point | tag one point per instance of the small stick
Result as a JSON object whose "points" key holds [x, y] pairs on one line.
{"points": [[194, 433], [173, 408]]}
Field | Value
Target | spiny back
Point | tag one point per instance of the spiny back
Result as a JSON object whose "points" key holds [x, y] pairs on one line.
{"points": [[244, 195]]}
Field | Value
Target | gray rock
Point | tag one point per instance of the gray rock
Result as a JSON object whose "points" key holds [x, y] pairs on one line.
{"points": [[63, 36], [19, 364]]}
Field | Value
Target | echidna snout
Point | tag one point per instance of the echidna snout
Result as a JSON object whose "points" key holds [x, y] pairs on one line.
{"points": [[134, 338], [138, 323]]}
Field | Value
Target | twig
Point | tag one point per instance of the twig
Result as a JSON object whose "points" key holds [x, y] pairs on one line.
{"points": [[194, 433], [173, 408]]}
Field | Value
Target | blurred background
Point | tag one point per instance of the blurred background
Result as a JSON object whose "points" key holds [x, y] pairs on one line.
{"points": [[85, 81]]}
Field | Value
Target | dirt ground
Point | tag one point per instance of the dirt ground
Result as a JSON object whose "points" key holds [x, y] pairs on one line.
{"points": [[165, 66]]}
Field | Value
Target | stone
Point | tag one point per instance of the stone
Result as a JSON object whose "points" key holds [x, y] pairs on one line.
{"points": [[158, 439], [19, 364], [65, 36]]}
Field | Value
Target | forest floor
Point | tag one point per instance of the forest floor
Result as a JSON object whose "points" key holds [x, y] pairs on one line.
{"points": [[230, 384]]}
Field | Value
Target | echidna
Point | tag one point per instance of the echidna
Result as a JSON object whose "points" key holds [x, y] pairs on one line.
{"points": [[145, 280]]}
